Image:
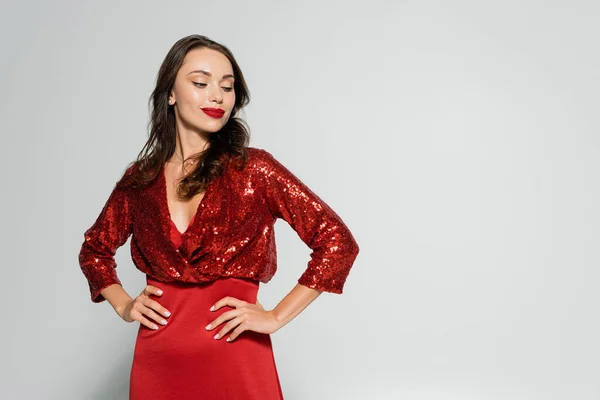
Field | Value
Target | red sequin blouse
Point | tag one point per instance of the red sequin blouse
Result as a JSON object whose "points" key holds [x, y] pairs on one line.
{"points": [[231, 234]]}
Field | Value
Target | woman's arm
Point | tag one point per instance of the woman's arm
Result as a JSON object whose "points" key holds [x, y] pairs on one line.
{"points": [[319, 227], [117, 297], [334, 248], [254, 317], [294, 303], [112, 228], [97, 260]]}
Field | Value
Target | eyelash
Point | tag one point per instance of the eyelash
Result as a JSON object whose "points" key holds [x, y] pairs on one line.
{"points": [[228, 89]]}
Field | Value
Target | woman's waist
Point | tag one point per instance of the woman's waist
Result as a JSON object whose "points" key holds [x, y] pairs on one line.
{"points": [[241, 288], [190, 303]]}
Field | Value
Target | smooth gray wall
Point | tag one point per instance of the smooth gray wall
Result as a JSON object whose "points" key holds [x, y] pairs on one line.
{"points": [[458, 140]]}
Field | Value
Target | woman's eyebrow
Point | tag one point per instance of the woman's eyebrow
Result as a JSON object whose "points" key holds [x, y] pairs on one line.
{"points": [[199, 71]]}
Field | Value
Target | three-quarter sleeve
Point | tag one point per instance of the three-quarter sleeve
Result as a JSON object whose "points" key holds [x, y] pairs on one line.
{"points": [[109, 232], [334, 248]]}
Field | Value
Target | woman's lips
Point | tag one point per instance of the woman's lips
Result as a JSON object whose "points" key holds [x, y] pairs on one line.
{"points": [[213, 112]]}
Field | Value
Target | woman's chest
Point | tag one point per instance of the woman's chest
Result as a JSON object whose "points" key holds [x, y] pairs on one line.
{"points": [[230, 204]]}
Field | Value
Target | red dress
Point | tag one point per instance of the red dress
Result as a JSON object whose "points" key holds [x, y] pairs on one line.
{"points": [[182, 360]]}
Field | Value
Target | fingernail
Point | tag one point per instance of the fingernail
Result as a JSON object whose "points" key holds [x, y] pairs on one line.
{"points": [[229, 339], [167, 313], [159, 291], [216, 336], [208, 326], [212, 308], [154, 326], [162, 321]]}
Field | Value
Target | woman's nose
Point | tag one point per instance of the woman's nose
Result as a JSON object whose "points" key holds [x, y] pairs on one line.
{"points": [[215, 95]]}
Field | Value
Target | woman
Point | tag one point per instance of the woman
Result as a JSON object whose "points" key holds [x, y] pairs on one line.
{"points": [[200, 206]]}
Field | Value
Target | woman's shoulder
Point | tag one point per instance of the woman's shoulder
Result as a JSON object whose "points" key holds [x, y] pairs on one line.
{"points": [[258, 155], [260, 162], [125, 180], [256, 152]]}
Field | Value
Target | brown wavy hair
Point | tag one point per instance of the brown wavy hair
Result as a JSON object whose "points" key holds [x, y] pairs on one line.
{"points": [[229, 144]]}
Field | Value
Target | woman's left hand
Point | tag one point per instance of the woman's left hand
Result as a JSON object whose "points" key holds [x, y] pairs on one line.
{"points": [[245, 317]]}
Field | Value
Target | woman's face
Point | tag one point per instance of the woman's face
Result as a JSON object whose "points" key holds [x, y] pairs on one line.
{"points": [[204, 81]]}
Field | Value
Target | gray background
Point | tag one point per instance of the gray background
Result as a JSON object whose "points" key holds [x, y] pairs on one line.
{"points": [[458, 140]]}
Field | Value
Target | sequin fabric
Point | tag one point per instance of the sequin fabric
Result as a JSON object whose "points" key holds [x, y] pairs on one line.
{"points": [[231, 234]]}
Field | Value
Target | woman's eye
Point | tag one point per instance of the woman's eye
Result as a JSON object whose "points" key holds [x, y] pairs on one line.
{"points": [[203, 85]]}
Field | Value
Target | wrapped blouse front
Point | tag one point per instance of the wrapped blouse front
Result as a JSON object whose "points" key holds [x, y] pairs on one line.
{"points": [[231, 234]]}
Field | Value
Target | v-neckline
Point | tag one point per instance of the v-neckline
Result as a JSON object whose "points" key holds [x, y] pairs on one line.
{"points": [[188, 227], [165, 198]]}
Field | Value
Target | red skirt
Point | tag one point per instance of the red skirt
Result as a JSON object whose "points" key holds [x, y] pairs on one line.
{"points": [[182, 360]]}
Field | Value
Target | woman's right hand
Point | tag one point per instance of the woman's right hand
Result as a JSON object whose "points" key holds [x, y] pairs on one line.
{"points": [[143, 306]]}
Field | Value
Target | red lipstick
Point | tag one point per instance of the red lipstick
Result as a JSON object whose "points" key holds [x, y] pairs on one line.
{"points": [[213, 112]]}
